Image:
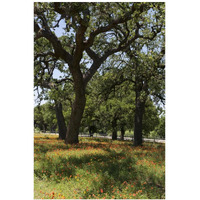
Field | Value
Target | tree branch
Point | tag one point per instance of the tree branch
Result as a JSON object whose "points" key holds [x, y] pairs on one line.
{"points": [[44, 55], [104, 29], [63, 80], [59, 50], [98, 61], [92, 54]]}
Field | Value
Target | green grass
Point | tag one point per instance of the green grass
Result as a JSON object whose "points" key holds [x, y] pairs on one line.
{"points": [[97, 168]]}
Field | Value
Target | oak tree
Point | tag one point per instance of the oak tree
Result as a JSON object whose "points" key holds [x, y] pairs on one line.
{"points": [[96, 29]]}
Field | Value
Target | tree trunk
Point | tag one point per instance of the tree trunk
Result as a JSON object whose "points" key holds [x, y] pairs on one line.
{"points": [[44, 128], [114, 132], [122, 132], [139, 112], [77, 109], [75, 120], [62, 129]]}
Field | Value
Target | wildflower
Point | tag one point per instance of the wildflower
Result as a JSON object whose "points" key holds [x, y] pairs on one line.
{"points": [[101, 190]]}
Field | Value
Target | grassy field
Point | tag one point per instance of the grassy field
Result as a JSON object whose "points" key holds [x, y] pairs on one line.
{"points": [[97, 169]]}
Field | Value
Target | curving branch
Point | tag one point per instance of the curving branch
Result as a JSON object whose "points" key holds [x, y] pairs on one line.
{"points": [[45, 32], [104, 29], [98, 61]]}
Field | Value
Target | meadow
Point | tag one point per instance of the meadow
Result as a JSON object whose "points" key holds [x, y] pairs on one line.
{"points": [[97, 169]]}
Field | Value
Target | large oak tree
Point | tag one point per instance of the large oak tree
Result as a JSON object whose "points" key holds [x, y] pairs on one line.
{"points": [[96, 29]]}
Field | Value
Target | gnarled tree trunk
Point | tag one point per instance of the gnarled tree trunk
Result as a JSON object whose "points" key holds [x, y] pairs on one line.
{"points": [[77, 109], [62, 129], [75, 120]]}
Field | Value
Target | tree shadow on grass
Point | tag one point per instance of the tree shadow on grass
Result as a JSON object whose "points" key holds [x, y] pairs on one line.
{"points": [[113, 167], [110, 166], [48, 144]]}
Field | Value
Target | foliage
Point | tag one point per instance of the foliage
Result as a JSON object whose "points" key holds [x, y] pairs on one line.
{"points": [[160, 129], [151, 118], [45, 118], [97, 169], [109, 98]]}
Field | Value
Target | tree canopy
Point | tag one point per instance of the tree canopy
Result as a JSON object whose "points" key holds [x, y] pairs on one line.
{"points": [[131, 35]]}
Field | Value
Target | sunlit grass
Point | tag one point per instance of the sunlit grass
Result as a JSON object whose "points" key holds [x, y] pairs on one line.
{"points": [[97, 168]]}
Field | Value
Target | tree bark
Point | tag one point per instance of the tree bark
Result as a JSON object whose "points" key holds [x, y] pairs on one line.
{"points": [[139, 112], [114, 132], [122, 132], [77, 109], [75, 120], [62, 129]]}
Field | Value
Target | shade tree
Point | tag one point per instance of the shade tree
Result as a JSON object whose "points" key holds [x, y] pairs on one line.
{"points": [[143, 67], [148, 76], [96, 29]]}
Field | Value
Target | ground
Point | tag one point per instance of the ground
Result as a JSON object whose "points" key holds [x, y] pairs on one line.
{"points": [[97, 168]]}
